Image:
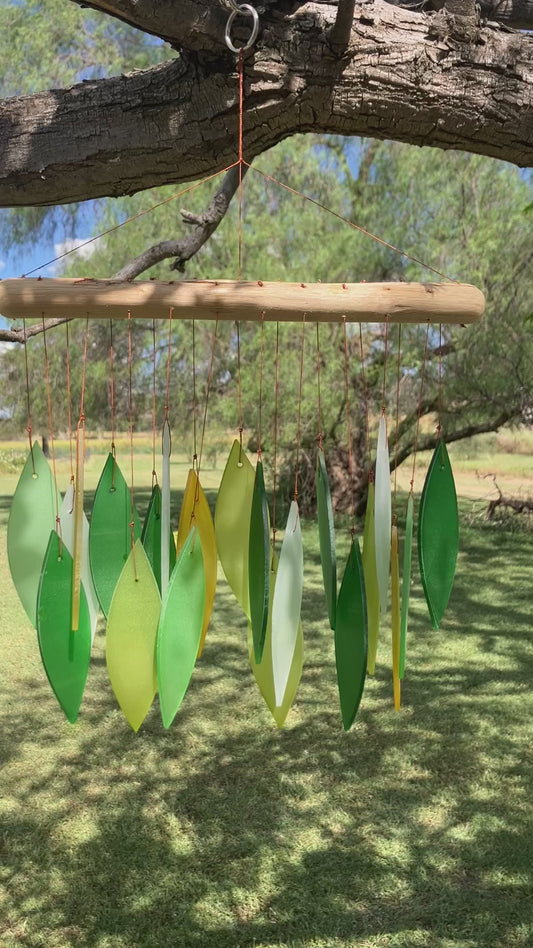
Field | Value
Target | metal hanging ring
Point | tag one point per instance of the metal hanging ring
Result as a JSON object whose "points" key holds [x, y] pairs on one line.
{"points": [[246, 10]]}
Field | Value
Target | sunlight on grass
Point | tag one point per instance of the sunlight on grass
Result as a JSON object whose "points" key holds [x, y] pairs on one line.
{"points": [[414, 829]]}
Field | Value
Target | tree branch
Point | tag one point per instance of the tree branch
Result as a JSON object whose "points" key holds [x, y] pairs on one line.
{"points": [[187, 247], [179, 121], [517, 14], [430, 441], [341, 31], [21, 335]]}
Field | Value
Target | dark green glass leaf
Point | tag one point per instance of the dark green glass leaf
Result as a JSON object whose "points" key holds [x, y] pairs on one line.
{"points": [[351, 641], [180, 627], [65, 653], [259, 563], [31, 519], [110, 533], [438, 534], [406, 580], [326, 534], [151, 536]]}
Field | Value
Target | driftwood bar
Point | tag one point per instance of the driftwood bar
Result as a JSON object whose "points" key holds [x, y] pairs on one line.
{"points": [[227, 299]]}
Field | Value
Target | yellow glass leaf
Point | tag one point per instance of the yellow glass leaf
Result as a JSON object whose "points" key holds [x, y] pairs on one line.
{"points": [[195, 512], [232, 523], [264, 672], [131, 637]]}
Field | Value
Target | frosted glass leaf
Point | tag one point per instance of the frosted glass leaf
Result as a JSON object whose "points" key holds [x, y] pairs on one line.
{"points": [[287, 602], [195, 512], [382, 514], [371, 579], [232, 523], [180, 627], [258, 562], [326, 534], [263, 673], [131, 637], [406, 580], [66, 516], [395, 617], [65, 653], [438, 534], [110, 532], [151, 536], [351, 637], [32, 517]]}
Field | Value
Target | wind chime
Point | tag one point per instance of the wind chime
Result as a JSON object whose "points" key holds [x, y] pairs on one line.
{"points": [[157, 592]]}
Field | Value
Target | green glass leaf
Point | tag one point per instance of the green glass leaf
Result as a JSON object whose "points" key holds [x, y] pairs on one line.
{"points": [[382, 514], [438, 534], [180, 627], [287, 602], [110, 532], [326, 534], [395, 617], [371, 580], [406, 579], [32, 517], [66, 516], [258, 562], [264, 674], [351, 637], [131, 637], [151, 536], [65, 653], [232, 523]]}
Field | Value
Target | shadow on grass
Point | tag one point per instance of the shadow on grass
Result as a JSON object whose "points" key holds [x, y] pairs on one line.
{"points": [[225, 832]]}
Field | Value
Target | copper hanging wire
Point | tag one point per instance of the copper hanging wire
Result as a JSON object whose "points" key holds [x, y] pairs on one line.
{"points": [[419, 412], [319, 396], [154, 366], [130, 412], [69, 404], [349, 428], [299, 426], [276, 401], [28, 399], [51, 431], [395, 509]]}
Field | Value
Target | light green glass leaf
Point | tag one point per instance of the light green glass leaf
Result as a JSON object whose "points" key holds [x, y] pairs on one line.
{"points": [[351, 637], [110, 532], [131, 637], [258, 562], [395, 617], [287, 602], [382, 514], [371, 579], [232, 523], [66, 516], [32, 517], [180, 627], [264, 674], [326, 534], [438, 534], [65, 653], [151, 536], [406, 579]]}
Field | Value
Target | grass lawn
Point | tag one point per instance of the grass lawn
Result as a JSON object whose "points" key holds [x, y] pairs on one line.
{"points": [[413, 829]]}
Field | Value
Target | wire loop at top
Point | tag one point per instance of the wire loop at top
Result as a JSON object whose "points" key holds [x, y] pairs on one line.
{"points": [[246, 10]]}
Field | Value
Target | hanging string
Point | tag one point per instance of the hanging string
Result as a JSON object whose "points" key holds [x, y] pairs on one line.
{"points": [[69, 406], [394, 519], [365, 401], [319, 397], [51, 431], [385, 359], [28, 402], [239, 389], [350, 223], [194, 454], [439, 425], [419, 412], [169, 348], [130, 412], [240, 70], [112, 393], [259, 451], [208, 389], [349, 428], [81, 420], [299, 426], [154, 365], [276, 400], [77, 552]]}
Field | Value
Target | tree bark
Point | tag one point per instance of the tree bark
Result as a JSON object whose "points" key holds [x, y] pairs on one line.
{"points": [[403, 76]]}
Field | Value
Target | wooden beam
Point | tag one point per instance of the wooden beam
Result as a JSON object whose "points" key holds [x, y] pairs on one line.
{"points": [[225, 299]]}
